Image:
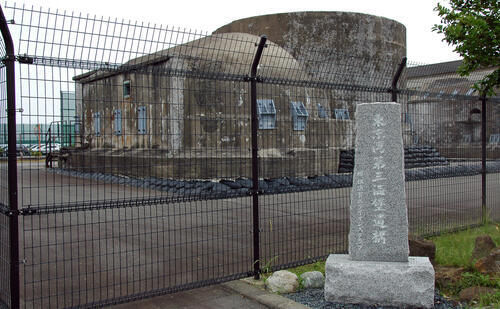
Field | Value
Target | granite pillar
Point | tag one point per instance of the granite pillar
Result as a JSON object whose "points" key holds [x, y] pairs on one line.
{"points": [[377, 269]]}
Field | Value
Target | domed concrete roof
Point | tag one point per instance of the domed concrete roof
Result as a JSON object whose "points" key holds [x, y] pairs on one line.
{"points": [[221, 54], [354, 34]]}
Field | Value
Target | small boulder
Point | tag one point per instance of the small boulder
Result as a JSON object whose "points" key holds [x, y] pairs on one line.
{"points": [[446, 275], [490, 264], [482, 247], [473, 293], [282, 282], [421, 247], [312, 280]]}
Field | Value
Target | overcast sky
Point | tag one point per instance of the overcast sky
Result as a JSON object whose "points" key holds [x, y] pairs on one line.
{"points": [[423, 45]]}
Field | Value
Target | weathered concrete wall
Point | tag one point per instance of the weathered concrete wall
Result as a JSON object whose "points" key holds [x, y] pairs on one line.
{"points": [[451, 124], [79, 136], [198, 165], [452, 128], [348, 37]]}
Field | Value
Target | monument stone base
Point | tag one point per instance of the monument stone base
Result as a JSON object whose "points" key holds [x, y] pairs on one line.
{"points": [[401, 284]]}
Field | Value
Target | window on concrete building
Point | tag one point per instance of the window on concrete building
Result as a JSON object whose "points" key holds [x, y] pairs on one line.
{"points": [[494, 139], [97, 124], [322, 112], [77, 125], [467, 138], [341, 114], [126, 89], [141, 120], [266, 111], [77, 128], [299, 116], [117, 122], [407, 118]]}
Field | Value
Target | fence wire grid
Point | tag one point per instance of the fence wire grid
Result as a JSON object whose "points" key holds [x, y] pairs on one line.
{"points": [[135, 156]]}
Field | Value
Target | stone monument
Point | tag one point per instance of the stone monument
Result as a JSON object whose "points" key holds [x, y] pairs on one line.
{"points": [[378, 269]]}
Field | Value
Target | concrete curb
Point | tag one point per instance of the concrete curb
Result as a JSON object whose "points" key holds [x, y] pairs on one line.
{"points": [[262, 296]]}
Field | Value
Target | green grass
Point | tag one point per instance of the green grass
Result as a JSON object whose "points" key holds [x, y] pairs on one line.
{"points": [[455, 249], [318, 266], [299, 270], [470, 279], [489, 299]]}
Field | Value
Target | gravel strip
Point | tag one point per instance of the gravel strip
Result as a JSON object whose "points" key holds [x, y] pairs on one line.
{"points": [[314, 298]]}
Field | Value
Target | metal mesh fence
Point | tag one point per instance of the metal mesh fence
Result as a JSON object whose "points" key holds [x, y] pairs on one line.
{"points": [[4, 202], [4, 262], [112, 255], [443, 116], [315, 115], [135, 178]]}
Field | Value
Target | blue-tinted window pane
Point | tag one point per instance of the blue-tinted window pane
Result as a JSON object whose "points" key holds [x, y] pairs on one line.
{"points": [[266, 111], [495, 139], [341, 113], [322, 112], [97, 124], [118, 122], [299, 115], [141, 120], [407, 118]]}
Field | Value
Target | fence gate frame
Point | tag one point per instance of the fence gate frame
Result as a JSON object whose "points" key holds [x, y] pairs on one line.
{"points": [[12, 209]]}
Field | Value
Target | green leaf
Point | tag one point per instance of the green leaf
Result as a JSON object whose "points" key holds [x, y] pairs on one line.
{"points": [[473, 28]]}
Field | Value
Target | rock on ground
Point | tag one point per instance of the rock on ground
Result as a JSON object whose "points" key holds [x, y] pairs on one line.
{"points": [[421, 247], [489, 264], [483, 246], [474, 292], [282, 282], [312, 279], [446, 275]]}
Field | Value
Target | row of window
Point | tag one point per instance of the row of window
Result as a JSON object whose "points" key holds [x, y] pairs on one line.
{"points": [[427, 94], [117, 115], [267, 114], [494, 138], [265, 108]]}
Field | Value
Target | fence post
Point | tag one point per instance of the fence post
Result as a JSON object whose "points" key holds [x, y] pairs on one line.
{"points": [[484, 214], [255, 159], [395, 79], [49, 153], [9, 60]]}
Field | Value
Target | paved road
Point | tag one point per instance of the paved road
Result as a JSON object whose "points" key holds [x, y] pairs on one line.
{"points": [[81, 257]]}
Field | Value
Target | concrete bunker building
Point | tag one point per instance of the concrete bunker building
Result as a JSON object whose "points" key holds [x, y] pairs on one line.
{"points": [[195, 124], [444, 112]]}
